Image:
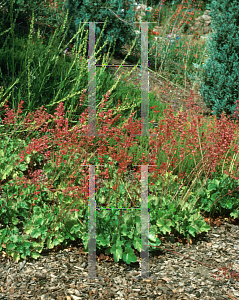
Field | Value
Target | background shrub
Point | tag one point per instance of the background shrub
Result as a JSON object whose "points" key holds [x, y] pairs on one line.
{"points": [[92, 11], [220, 78]]}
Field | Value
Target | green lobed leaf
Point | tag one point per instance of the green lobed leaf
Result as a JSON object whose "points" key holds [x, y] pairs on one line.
{"points": [[129, 256]]}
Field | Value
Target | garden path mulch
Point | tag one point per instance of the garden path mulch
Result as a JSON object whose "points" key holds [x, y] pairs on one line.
{"points": [[62, 273]]}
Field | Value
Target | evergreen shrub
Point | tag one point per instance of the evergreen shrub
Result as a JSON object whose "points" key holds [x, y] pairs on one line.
{"points": [[220, 73], [97, 11]]}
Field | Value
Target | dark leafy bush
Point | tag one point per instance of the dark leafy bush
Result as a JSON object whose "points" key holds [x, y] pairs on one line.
{"points": [[215, 198], [6, 58], [98, 11], [220, 78], [44, 18], [22, 11]]}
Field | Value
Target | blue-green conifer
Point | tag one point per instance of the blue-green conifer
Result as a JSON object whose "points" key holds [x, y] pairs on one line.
{"points": [[220, 73]]}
